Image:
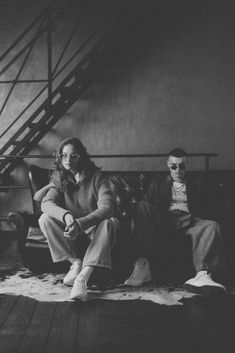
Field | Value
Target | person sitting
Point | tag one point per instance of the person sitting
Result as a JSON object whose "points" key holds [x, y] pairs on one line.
{"points": [[174, 208], [78, 216]]}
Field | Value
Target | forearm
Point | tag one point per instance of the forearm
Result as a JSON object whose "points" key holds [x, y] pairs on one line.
{"points": [[95, 217], [54, 211]]}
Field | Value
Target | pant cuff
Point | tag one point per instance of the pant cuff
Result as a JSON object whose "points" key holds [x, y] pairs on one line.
{"points": [[96, 265]]}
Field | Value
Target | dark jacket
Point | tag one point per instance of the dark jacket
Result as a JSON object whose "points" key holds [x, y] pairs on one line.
{"points": [[159, 195]]}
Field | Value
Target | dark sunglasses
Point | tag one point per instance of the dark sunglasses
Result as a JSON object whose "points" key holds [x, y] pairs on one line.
{"points": [[181, 166]]}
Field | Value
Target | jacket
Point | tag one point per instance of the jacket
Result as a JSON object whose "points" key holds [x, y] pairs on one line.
{"points": [[159, 195]]}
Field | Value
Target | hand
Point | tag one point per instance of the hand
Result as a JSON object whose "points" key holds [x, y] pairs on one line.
{"points": [[72, 231], [69, 220]]}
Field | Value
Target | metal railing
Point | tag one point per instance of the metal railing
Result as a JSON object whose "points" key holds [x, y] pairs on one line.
{"points": [[205, 156], [13, 138]]}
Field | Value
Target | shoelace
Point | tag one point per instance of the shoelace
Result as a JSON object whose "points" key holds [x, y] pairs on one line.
{"points": [[81, 280]]}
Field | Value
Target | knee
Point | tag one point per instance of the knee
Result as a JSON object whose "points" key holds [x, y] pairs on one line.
{"points": [[107, 230], [213, 225], [214, 229], [44, 220], [111, 224]]}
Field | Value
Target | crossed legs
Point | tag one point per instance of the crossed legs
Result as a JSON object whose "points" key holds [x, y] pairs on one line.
{"points": [[86, 252]]}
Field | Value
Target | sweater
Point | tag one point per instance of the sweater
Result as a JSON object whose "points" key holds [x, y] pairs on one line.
{"points": [[89, 201]]}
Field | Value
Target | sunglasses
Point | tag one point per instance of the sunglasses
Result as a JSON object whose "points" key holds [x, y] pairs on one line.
{"points": [[181, 166], [72, 156]]}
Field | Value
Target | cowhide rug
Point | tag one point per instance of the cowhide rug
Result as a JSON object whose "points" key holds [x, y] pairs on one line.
{"points": [[49, 287]]}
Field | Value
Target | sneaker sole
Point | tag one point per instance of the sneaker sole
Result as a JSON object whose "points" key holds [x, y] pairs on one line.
{"points": [[138, 284], [205, 291], [82, 299], [68, 284]]}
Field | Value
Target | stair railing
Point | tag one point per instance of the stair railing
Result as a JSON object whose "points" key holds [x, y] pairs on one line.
{"points": [[13, 143]]}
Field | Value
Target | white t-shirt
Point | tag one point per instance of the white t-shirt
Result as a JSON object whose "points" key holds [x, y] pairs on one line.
{"points": [[179, 197]]}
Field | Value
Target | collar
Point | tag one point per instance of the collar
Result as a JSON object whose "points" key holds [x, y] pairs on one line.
{"points": [[170, 180], [78, 178]]}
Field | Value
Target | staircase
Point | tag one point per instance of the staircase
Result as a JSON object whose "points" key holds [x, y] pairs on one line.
{"points": [[68, 77]]}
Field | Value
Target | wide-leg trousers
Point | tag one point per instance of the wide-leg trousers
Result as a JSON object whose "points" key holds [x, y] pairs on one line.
{"points": [[156, 236], [93, 246]]}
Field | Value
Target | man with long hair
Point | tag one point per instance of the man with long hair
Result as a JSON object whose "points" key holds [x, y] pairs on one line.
{"points": [[78, 216]]}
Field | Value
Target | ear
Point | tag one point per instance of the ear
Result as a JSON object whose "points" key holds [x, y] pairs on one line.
{"points": [[168, 163]]}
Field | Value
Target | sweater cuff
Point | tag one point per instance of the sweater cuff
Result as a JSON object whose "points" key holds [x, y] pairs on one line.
{"points": [[65, 215]]}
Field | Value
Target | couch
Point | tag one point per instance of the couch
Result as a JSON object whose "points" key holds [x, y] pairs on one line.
{"points": [[129, 187]]}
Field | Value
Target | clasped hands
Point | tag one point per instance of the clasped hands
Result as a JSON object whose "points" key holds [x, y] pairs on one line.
{"points": [[72, 229]]}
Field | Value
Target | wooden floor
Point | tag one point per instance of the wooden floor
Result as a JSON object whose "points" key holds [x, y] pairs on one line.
{"points": [[200, 325]]}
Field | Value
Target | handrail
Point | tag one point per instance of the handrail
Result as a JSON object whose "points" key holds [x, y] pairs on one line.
{"points": [[4, 156], [22, 35], [6, 187], [28, 45], [20, 70], [84, 44], [206, 156], [53, 72], [57, 89], [52, 76], [50, 156]]}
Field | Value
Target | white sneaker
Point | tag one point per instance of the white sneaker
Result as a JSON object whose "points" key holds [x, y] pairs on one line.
{"points": [[74, 271], [141, 273], [79, 290], [203, 284]]}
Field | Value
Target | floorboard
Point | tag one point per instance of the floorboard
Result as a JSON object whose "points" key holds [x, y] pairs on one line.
{"points": [[165, 329], [63, 333], [200, 325], [213, 322], [36, 335], [6, 305], [108, 327], [134, 326], [13, 329]]}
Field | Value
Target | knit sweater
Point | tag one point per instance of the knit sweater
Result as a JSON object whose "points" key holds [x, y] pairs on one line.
{"points": [[89, 201]]}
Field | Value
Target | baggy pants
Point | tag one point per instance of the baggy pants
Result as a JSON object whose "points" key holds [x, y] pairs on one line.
{"points": [[94, 246], [156, 236]]}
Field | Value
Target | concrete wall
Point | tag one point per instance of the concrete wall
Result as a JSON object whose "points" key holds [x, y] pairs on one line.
{"points": [[172, 84], [169, 82]]}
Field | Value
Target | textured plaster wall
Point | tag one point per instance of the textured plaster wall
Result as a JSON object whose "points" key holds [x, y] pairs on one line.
{"points": [[171, 85], [168, 82]]}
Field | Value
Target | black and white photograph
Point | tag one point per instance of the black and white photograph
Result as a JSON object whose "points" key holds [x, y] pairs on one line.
{"points": [[117, 176]]}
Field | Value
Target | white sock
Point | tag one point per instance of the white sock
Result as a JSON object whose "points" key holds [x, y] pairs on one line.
{"points": [[76, 261], [85, 273]]}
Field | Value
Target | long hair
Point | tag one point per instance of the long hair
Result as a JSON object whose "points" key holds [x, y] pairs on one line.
{"points": [[60, 175]]}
